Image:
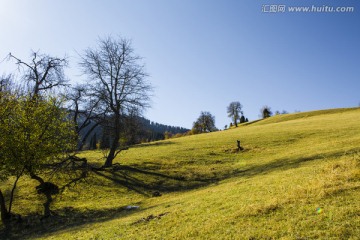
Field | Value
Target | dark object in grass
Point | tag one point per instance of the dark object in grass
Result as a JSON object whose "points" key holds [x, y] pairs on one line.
{"points": [[239, 148], [151, 217], [156, 194]]}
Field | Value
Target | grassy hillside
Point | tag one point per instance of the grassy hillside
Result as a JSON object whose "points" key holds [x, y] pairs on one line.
{"points": [[298, 177]]}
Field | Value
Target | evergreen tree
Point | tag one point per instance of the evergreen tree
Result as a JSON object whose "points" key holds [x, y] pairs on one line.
{"points": [[266, 112]]}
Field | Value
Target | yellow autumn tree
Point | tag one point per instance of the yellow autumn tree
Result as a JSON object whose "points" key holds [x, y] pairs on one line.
{"points": [[35, 132]]}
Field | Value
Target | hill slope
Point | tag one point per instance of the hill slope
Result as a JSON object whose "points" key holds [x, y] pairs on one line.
{"points": [[298, 177]]}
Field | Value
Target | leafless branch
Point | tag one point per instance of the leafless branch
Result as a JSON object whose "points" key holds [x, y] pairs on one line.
{"points": [[43, 73]]}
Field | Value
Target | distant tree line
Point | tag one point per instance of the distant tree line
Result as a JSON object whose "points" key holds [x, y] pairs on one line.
{"points": [[135, 130], [161, 129]]}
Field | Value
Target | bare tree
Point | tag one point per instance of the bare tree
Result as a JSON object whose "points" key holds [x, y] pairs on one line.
{"points": [[9, 87], [42, 73], [82, 108], [234, 111], [6, 83], [118, 81]]}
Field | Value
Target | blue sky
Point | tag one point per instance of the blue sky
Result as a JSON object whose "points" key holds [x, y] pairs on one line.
{"points": [[203, 54]]}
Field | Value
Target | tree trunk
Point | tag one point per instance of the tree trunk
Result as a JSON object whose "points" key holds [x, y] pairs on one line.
{"points": [[111, 155], [109, 159], [49, 199], [114, 144], [5, 215], [13, 190]]}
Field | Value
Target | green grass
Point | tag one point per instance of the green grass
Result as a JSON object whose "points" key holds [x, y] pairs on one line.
{"points": [[297, 178]]}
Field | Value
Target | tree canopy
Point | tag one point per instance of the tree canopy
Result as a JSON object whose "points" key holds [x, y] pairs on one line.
{"points": [[234, 111], [34, 132], [204, 123]]}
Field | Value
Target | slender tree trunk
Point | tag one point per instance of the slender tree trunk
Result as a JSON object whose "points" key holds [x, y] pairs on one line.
{"points": [[81, 144], [12, 195], [5, 215], [13, 190]]}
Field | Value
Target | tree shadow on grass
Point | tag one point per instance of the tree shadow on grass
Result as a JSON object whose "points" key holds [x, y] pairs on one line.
{"points": [[148, 183], [33, 225], [141, 180], [153, 144]]}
